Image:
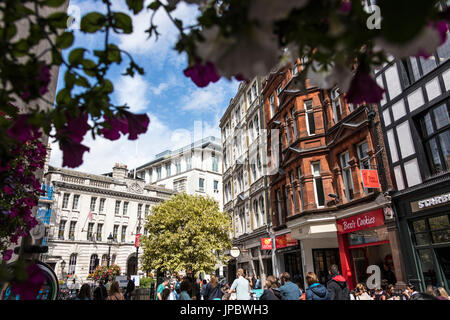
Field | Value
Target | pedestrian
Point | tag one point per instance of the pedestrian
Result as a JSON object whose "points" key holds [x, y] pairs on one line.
{"points": [[423, 296], [361, 293], [390, 293], [177, 285], [288, 289], [271, 292], [253, 283], [315, 290], [130, 288], [441, 294], [185, 288], [409, 292], [258, 283], [430, 289], [100, 292], [337, 286], [173, 294], [160, 288], [203, 288], [213, 290], [84, 293], [388, 274], [241, 286], [165, 294], [114, 292]]}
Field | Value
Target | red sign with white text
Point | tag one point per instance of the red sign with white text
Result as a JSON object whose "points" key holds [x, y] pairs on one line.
{"points": [[370, 178], [284, 241], [266, 244], [136, 240], [366, 220]]}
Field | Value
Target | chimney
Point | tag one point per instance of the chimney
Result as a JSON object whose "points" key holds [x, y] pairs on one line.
{"points": [[119, 171]]}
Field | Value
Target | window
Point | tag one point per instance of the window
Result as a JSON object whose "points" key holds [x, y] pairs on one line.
{"points": [[432, 230], [279, 207], [272, 105], [115, 232], [99, 231], [254, 90], [102, 205], [216, 185], [310, 122], [117, 209], [73, 224], [139, 212], [90, 232], [189, 163], [93, 202], [300, 191], [147, 210], [394, 87], [294, 123], [150, 175], [178, 166], [249, 97], [256, 122], [279, 89], [72, 263], [364, 163], [215, 162], [253, 166], [392, 145], [347, 175], [318, 186], [76, 198], [406, 142], [201, 184], [435, 131], [125, 208], [294, 70], [168, 173], [261, 210], [336, 104], [158, 173], [113, 259], [256, 213], [286, 123], [61, 230], [93, 263], [293, 196], [286, 200], [65, 203], [104, 260], [124, 232]]}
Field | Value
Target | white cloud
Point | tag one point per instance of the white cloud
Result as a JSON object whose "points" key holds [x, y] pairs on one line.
{"points": [[133, 92]]}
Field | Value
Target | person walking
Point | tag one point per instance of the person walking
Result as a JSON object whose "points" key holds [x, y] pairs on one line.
{"points": [[130, 288], [409, 292], [361, 293], [441, 294], [165, 294], [241, 286], [271, 291], [258, 283], [315, 290], [84, 293], [173, 294], [185, 288], [100, 292], [288, 289], [213, 290], [160, 289], [114, 292], [337, 286]]}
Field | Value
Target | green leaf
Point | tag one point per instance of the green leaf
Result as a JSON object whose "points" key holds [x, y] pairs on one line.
{"points": [[65, 40], [58, 20], [123, 21], [56, 57], [135, 5], [76, 56], [154, 5], [92, 22], [63, 97], [114, 54], [54, 3], [82, 82], [89, 67], [69, 79]]}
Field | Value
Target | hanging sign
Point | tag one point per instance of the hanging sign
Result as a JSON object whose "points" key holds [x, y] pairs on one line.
{"points": [[370, 178], [266, 244], [136, 240], [285, 240]]}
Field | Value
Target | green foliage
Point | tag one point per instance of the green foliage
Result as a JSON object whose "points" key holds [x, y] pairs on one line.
{"points": [[184, 233], [146, 282]]}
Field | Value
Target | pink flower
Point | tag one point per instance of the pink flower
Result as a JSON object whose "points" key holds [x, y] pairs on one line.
{"points": [[7, 255], [44, 78], [8, 190], [117, 125], [76, 128], [137, 124], [346, 7], [72, 153], [364, 89], [29, 290], [21, 130], [201, 74]]}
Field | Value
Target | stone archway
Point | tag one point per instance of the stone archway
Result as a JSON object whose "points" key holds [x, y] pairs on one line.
{"points": [[131, 265]]}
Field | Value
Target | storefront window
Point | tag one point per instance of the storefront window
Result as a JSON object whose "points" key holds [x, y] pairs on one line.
{"points": [[427, 265], [367, 236], [323, 259], [432, 230]]}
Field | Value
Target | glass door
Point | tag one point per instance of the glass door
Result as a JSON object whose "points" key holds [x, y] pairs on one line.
{"points": [[360, 264], [443, 256]]}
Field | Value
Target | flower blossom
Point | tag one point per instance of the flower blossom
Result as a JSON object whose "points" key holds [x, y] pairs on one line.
{"points": [[30, 289], [202, 74], [339, 75], [72, 153], [364, 89], [7, 255]]}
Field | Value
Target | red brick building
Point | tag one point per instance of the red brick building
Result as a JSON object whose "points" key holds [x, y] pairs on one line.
{"points": [[317, 146]]}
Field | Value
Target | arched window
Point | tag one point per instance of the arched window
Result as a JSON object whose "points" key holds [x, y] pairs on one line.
{"points": [[72, 263], [93, 263], [113, 259], [261, 209], [104, 260], [255, 211]]}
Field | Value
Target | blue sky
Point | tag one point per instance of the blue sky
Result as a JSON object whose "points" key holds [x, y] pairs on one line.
{"points": [[173, 102]]}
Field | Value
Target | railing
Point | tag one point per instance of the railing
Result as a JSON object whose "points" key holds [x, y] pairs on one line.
{"points": [[73, 179], [99, 184]]}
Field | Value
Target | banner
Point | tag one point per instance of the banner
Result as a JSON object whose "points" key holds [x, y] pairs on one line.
{"points": [[370, 178], [136, 240], [285, 240], [266, 244]]}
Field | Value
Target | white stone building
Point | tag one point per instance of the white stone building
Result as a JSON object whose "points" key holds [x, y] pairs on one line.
{"points": [[195, 169], [86, 209]]}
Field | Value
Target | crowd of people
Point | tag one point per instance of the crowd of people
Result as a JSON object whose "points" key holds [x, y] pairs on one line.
{"points": [[274, 288]]}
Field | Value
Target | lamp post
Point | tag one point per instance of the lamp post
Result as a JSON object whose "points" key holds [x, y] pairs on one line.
{"points": [[110, 241], [63, 265]]}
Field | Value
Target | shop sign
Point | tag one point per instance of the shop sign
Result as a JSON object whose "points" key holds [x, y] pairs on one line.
{"points": [[370, 178], [430, 203], [284, 241], [367, 220], [266, 244]]}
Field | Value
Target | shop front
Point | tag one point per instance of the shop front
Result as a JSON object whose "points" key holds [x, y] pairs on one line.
{"points": [[425, 230], [364, 241], [289, 256]]}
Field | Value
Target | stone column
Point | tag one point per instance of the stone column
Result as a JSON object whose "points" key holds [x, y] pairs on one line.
{"points": [[397, 257]]}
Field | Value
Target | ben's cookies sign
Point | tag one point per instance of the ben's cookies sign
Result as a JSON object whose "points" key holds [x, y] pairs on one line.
{"points": [[367, 220]]}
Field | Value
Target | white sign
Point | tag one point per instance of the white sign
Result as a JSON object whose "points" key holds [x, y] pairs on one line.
{"points": [[136, 280], [122, 280]]}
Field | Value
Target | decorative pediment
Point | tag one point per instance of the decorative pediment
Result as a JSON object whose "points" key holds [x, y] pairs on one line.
{"points": [[345, 130], [135, 188]]}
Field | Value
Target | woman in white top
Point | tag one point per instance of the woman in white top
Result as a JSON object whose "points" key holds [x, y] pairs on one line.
{"points": [[361, 293]]}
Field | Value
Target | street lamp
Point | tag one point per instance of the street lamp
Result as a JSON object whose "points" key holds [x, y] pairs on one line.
{"points": [[110, 241]]}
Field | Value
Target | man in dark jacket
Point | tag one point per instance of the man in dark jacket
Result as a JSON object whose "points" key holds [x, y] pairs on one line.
{"points": [[130, 288], [337, 286], [288, 289], [100, 292]]}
